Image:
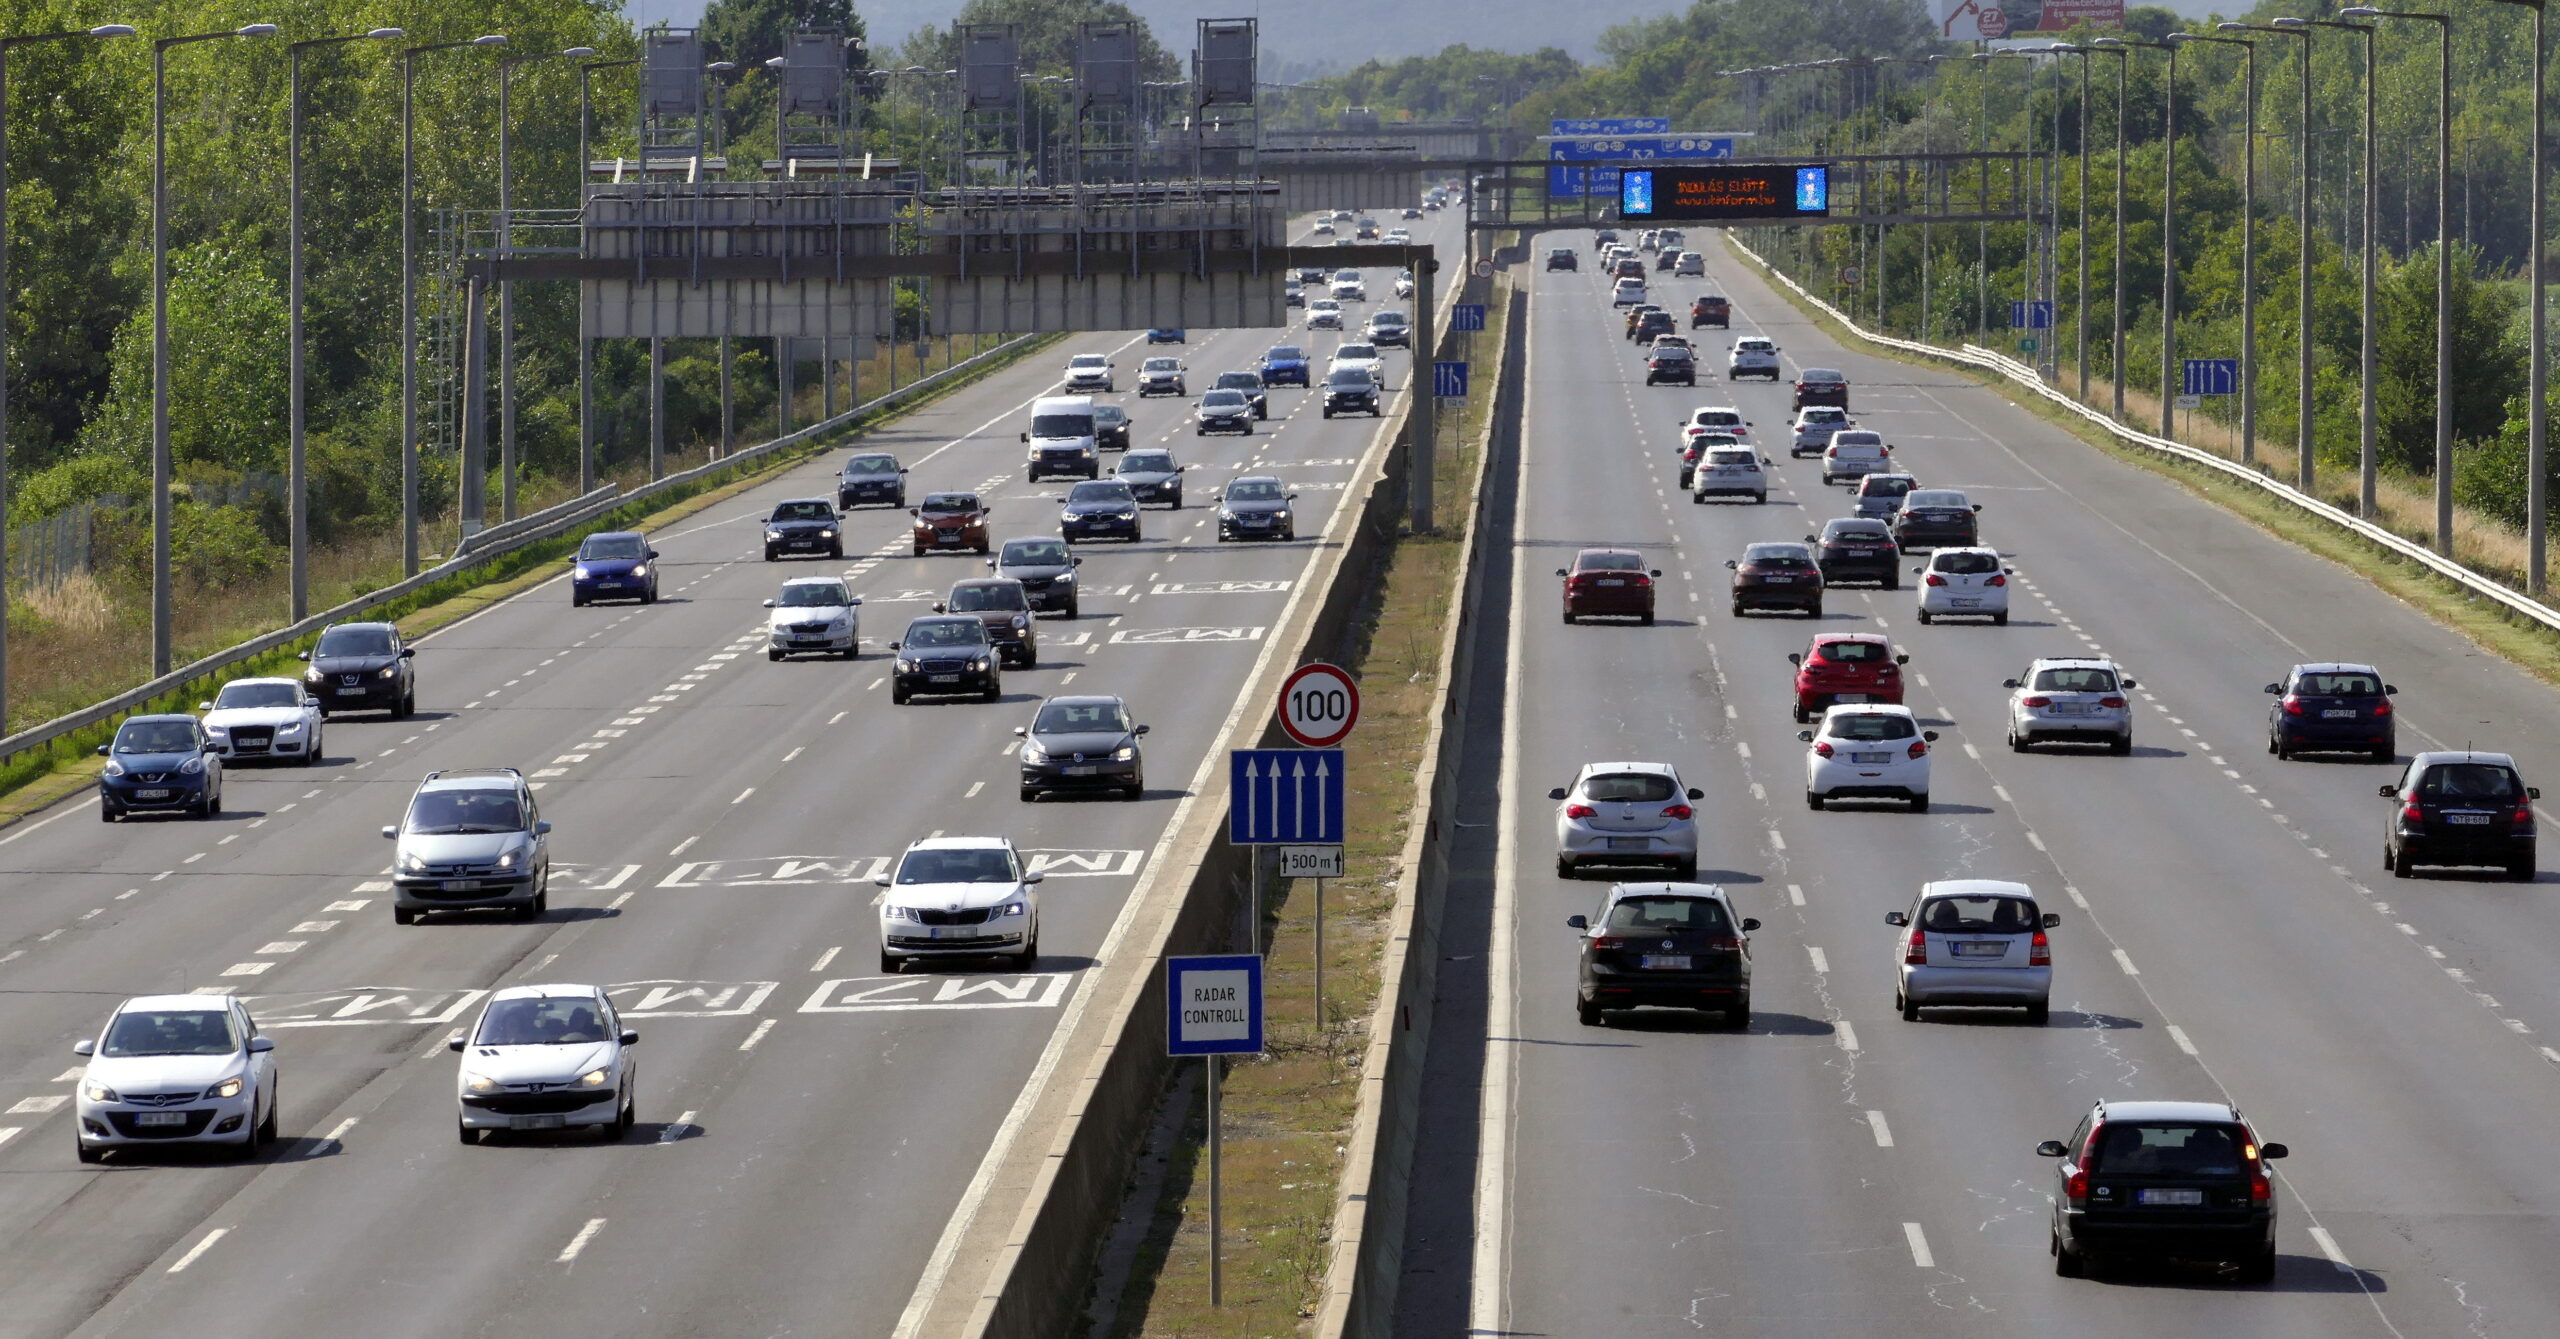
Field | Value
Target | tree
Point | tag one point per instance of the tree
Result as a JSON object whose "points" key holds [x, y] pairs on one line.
{"points": [[1046, 31], [2488, 361]]}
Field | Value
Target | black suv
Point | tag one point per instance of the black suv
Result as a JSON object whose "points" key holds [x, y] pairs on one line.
{"points": [[1854, 549], [1350, 391], [1677, 945], [2166, 1180], [361, 666], [2332, 706], [1564, 258], [1650, 324], [2459, 809]]}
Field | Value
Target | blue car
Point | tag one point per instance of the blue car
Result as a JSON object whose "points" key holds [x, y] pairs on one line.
{"points": [[1164, 335], [160, 763], [616, 565], [1285, 365], [1098, 509]]}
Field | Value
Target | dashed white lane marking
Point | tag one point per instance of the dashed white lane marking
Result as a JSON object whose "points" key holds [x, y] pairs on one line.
{"points": [[197, 1250], [680, 846], [676, 1129], [742, 795], [8, 1132], [1883, 1132], [353, 904], [824, 958], [2126, 962], [2034, 840], [283, 946], [1821, 961], [1910, 1232], [2076, 899], [1845, 1034], [758, 1035], [38, 1106], [340, 1132], [579, 1242], [1777, 839], [2179, 1035], [974, 788], [247, 969]]}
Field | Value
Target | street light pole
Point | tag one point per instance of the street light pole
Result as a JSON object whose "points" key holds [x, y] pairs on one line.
{"points": [[2248, 239], [2444, 256], [2168, 232], [2537, 378], [586, 354], [161, 616], [409, 290], [2114, 46], [506, 286]]}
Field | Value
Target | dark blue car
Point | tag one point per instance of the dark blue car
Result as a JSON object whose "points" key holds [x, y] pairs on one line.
{"points": [[1099, 509], [160, 763], [615, 565], [1167, 335], [1285, 365], [2331, 706]]}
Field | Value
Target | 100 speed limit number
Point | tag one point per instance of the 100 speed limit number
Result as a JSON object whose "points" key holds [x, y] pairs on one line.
{"points": [[1319, 704]]}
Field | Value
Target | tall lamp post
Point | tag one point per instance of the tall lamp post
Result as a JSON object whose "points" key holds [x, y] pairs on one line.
{"points": [[7, 44], [2538, 377], [409, 288], [2306, 469], [2248, 238], [2168, 234], [586, 355], [720, 150], [2444, 257], [2367, 454], [2114, 46], [506, 286], [160, 466]]}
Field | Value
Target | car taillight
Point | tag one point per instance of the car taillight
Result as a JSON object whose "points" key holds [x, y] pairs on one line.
{"points": [[1677, 811], [2039, 951], [1916, 952], [1580, 811], [2037, 702], [2260, 1188], [2293, 706], [2111, 702], [1640, 580], [1936, 580], [1887, 670], [2411, 813], [1919, 748], [1997, 581], [2077, 1188], [1724, 945], [2524, 813], [1821, 748], [1610, 941], [2381, 707]]}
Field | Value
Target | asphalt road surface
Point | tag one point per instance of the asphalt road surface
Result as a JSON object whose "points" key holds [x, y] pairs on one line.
{"points": [[2228, 931], [806, 1124]]}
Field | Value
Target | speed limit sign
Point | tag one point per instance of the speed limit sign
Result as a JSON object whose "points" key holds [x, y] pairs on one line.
{"points": [[1319, 704]]}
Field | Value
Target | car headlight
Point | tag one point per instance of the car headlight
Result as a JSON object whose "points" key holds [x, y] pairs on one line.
{"points": [[979, 663], [842, 620], [826, 534], [479, 1083], [1066, 578], [412, 862], [510, 858], [389, 672], [217, 729], [640, 571], [595, 1078], [891, 911], [1225, 515], [578, 573], [1034, 751], [99, 1092], [1010, 909], [1283, 513], [313, 676], [1124, 753], [229, 1087], [114, 768], [906, 666], [192, 766], [290, 727]]}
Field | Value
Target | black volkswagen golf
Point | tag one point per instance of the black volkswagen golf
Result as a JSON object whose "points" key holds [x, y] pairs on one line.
{"points": [[1082, 743], [1854, 549], [1676, 945], [2165, 1180]]}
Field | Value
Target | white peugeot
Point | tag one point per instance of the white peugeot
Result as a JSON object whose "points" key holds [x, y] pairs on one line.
{"points": [[1964, 583], [814, 615], [264, 718], [176, 1069], [1867, 751], [547, 1058], [960, 897], [1627, 813]]}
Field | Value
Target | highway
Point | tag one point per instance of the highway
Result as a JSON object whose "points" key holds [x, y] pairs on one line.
{"points": [[807, 1126], [2228, 931]]}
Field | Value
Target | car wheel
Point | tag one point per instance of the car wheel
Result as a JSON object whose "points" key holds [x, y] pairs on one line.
{"points": [[1999, 620], [1028, 957], [400, 917], [995, 690], [919, 550], [2260, 1268], [1910, 1011], [773, 653], [266, 1132], [1893, 582], [1924, 618], [1564, 867], [2018, 742], [1696, 499], [1813, 610], [1645, 619], [106, 812], [1072, 608], [409, 703], [2397, 862], [1138, 786], [2279, 746], [2520, 870], [2121, 747], [577, 601], [1813, 799], [1587, 1011], [2040, 1013], [768, 555], [1030, 795], [1920, 804], [87, 1155], [468, 1135], [1738, 1015], [1759, 499], [624, 1119], [889, 965], [2066, 1264], [897, 696], [2382, 753], [1737, 609]]}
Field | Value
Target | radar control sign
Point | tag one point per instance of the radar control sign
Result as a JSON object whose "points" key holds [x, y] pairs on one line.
{"points": [[1711, 192]]}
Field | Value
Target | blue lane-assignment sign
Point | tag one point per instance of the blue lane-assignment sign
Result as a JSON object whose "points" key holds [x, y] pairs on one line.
{"points": [[1213, 1005]]}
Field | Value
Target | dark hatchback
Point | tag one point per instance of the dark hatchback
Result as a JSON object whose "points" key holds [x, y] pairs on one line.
{"points": [[1652, 323], [1110, 427], [2164, 1180], [946, 655], [1934, 518], [615, 565], [2332, 708], [1082, 743], [163, 763], [1005, 608], [1852, 549], [1777, 576], [366, 667], [1608, 583], [1256, 506], [1099, 509], [873, 478], [2459, 809], [1673, 945], [1046, 570], [1563, 258], [1152, 476], [1251, 384], [1349, 390], [803, 525], [1284, 365]]}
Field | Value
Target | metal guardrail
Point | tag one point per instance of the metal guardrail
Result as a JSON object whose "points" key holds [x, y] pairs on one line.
{"points": [[1976, 356], [480, 548]]}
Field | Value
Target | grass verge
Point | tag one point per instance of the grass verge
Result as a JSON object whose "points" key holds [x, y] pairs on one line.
{"points": [[1287, 1112]]}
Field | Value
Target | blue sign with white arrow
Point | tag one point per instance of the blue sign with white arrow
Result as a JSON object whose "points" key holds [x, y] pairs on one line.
{"points": [[1611, 125], [1449, 380], [2035, 315], [1466, 317], [1280, 797], [1566, 180], [2212, 376]]}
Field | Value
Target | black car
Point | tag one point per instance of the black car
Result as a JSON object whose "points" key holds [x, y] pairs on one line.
{"points": [[1937, 518], [1046, 570], [1389, 330], [1349, 390], [1005, 607], [1668, 257], [2332, 707], [1110, 427], [1854, 549], [1152, 476], [1256, 506], [2459, 809], [1674, 945], [160, 763], [1082, 743], [362, 667], [1564, 258], [946, 655], [1099, 509], [873, 477], [803, 525], [2165, 1180], [1251, 384], [1777, 576], [1652, 323], [1670, 363], [1604, 239]]}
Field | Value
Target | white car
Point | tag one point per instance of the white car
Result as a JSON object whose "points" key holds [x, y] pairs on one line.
{"points": [[1867, 751], [264, 718], [1973, 941], [547, 1058], [1752, 356], [1715, 418], [1813, 428], [1348, 286], [1850, 437], [1628, 292], [1691, 265], [960, 897], [1324, 314], [1854, 458], [1162, 376], [1398, 237], [1627, 813], [176, 1069], [1089, 372], [1364, 357], [1404, 278], [1964, 583], [1727, 471], [2079, 698], [814, 615], [1324, 227]]}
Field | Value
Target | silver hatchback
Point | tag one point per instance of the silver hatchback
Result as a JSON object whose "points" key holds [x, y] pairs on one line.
{"points": [[1973, 942], [2076, 698], [1626, 813]]}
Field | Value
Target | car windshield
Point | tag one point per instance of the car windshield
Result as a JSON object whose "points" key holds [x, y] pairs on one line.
{"points": [[1869, 725], [812, 595], [1349, 353], [1387, 319], [1036, 552], [1777, 555], [1352, 276], [967, 864], [170, 1032], [865, 465], [1646, 915], [1966, 564], [238, 695], [1608, 562], [156, 737], [1093, 360], [2328, 683], [1851, 653], [1325, 305], [1222, 399], [804, 511], [1067, 718], [564, 1020], [950, 504], [1102, 491], [946, 632], [2165, 1149], [1163, 365], [369, 641], [609, 548], [1883, 485], [1253, 490], [2469, 781], [1854, 530], [2076, 679], [1110, 413], [1988, 913], [458, 811], [1001, 595], [1286, 353], [1061, 425], [1630, 787], [1146, 462]]}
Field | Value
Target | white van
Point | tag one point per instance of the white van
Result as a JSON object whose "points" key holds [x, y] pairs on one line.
{"points": [[1062, 438]]}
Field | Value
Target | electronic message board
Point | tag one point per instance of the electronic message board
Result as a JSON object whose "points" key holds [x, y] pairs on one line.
{"points": [[1720, 191]]}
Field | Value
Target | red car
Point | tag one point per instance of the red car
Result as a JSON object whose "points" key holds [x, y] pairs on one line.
{"points": [[1609, 582], [950, 521], [1846, 667]]}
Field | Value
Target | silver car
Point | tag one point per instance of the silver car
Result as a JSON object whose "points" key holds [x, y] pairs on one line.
{"points": [[2076, 698], [547, 1058], [176, 1069], [814, 616], [1973, 942], [960, 897], [1626, 813], [1814, 426], [473, 840]]}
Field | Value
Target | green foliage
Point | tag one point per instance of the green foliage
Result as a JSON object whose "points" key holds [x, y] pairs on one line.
{"points": [[1046, 30], [2488, 363]]}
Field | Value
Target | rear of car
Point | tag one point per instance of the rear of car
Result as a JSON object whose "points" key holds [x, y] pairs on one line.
{"points": [[1693, 265], [1626, 814], [1867, 753], [1732, 471], [1860, 455], [1964, 583], [1608, 583], [1668, 258], [1714, 419], [1822, 385], [1563, 258], [1711, 310], [1878, 495], [1753, 356], [2080, 700], [1777, 576], [1937, 518], [1814, 427], [2332, 708], [1978, 942], [1850, 667], [1667, 945], [1650, 324], [1670, 364], [1852, 549], [2460, 809], [2164, 1180], [1627, 291], [1694, 448]]}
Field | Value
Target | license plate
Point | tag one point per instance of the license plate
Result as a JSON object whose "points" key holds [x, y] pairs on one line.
{"points": [[2185, 1197], [942, 678], [2071, 709], [462, 885], [947, 539], [350, 692], [808, 641], [158, 794], [2339, 714], [1848, 697], [1628, 843], [1082, 771], [1980, 950], [1609, 581], [1677, 962], [1871, 759], [160, 1118], [2467, 820], [1779, 581], [540, 1122], [1964, 602]]}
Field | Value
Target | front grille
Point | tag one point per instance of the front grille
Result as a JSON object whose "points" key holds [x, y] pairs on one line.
{"points": [[964, 916], [918, 941], [807, 629], [151, 778], [253, 739], [192, 1126], [160, 1099], [551, 1103]]}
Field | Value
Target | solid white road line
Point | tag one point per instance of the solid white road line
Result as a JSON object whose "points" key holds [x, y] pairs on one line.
{"points": [[579, 1242], [199, 1249], [2179, 1035]]}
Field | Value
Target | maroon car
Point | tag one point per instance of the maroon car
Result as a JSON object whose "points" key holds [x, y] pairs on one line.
{"points": [[1608, 582]]}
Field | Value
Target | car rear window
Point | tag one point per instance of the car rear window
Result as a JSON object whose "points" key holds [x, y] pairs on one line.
{"points": [[1870, 725], [1717, 418], [1852, 653], [1645, 914], [1743, 457], [1935, 497], [2078, 680], [1101, 490], [1820, 374], [2338, 685], [1863, 439], [1629, 787], [1006, 597], [1985, 914], [1823, 414], [1966, 564], [1608, 562], [1855, 530], [2166, 1149], [1777, 555], [2469, 781], [1243, 381]]}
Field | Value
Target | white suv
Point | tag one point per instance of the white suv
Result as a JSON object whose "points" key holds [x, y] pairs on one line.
{"points": [[960, 897], [1752, 356], [2079, 698], [546, 1058], [1726, 471], [176, 1069], [1813, 428]]}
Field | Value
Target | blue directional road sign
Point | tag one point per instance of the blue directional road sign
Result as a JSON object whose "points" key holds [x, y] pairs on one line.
{"points": [[2212, 376], [2036, 315], [1284, 797], [1467, 317], [1449, 380], [1612, 125], [1213, 1005], [1567, 180]]}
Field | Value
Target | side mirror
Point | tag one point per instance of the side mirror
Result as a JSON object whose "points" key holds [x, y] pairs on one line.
{"points": [[411, 652], [1024, 436], [1930, 735], [302, 655], [1766, 461], [1897, 918], [880, 879], [2386, 790], [1020, 732], [1795, 657], [1556, 794], [1902, 660], [2129, 684], [1294, 497], [1805, 735], [1919, 571], [84, 1046], [2005, 683], [455, 1043], [2275, 690], [1977, 506], [2052, 919], [261, 1045], [937, 608], [2271, 1152], [1749, 924], [2390, 690], [1696, 794], [854, 601], [1577, 922], [1656, 572], [204, 706], [653, 553], [542, 827], [390, 831], [1078, 562], [1560, 571], [2533, 792], [1035, 876], [630, 1038], [1732, 564], [2052, 1148], [1812, 539], [916, 512], [1142, 729], [769, 604]]}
